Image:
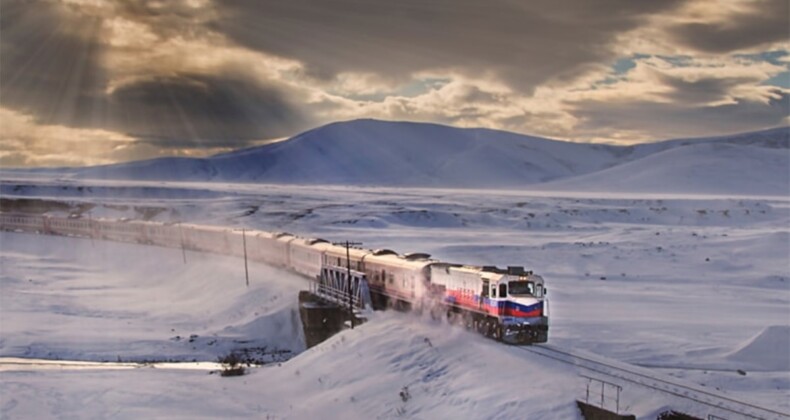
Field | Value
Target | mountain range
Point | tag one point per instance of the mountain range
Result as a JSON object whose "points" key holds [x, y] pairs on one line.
{"points": [[408, 154]]}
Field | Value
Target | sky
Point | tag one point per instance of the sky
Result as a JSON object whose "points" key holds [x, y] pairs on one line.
{"points": [[87, 82]]}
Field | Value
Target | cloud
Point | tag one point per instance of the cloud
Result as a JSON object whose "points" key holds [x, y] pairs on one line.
{"points": [[79, 64], [664, 89], [745, 25], [637, 119], [50, 62], [678, 97], [525, 43], [26, 143], [203, 111]]}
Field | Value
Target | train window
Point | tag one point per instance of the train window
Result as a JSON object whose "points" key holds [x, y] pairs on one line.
{"points": [[391, 278], [484, 293], [522, 288], [493, 290], [538, 290], [502, 289]]}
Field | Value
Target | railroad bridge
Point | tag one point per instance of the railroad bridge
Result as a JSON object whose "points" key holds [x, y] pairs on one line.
{"points": [[339, 296]]}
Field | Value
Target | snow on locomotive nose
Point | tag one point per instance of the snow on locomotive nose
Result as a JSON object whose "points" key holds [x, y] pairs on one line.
{"points": [[507, 304]]}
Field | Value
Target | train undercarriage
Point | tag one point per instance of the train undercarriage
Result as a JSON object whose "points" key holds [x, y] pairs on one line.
{"points": [[518, 331]]}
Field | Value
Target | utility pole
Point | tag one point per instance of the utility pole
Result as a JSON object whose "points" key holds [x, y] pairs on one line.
{"points": [[183, 249], [90, 228], [246, 270], [348, 278]]}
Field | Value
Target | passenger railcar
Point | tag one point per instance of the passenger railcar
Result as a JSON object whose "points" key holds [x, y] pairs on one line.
{"points": [[23, 223], [305, 256], [397, 281], [206, 238], [338, 256]]}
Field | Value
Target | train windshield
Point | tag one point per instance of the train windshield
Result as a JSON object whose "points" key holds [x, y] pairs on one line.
{"points": [[521, 288]]}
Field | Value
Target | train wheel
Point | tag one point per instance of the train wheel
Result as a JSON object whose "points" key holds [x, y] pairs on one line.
{"points": [[469, 321], [436, 313], [490, 329], [498, 333], [484, 327], [454, 318]]}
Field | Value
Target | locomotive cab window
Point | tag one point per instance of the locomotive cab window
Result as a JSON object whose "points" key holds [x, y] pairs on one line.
{"points": [[493, 290], [502, 289], [522, 288], [484, 293]]}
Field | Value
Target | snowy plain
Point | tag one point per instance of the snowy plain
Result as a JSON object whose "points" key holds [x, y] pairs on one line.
{"points": [[692, 286], [672, 256]]}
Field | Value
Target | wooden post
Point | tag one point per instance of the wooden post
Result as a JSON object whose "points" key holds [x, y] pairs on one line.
{"points": [[183, 248], [246, 270], [90, 228]]}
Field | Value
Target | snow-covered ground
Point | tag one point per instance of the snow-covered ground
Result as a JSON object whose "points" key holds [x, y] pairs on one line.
{"points": [[694, 286]]}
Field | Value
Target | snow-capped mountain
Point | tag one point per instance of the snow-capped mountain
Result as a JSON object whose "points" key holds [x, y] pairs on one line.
{"points": [[406, 154]]}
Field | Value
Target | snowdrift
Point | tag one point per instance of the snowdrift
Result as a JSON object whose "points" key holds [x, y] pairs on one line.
{"points": [[97, 300], [769, 350]]}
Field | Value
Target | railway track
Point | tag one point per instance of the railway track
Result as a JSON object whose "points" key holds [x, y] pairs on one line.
{"points": [[719, 406]]}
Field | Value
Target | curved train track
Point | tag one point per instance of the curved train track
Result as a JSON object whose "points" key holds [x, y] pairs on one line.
{"points": [[721, 406]]}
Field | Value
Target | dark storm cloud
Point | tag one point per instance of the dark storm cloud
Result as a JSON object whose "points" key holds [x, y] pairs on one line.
{"points": [[50, 62], [701, 90], [165, 18], [768, 22], [526, 42], [51, 67], [204, 111], [669, 120]]}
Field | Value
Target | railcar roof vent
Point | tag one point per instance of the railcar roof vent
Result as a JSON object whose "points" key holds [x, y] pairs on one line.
{"points": [[317, 241], [493, 269], [281, 234], [515, 270], [384, 252], [411, 256]]}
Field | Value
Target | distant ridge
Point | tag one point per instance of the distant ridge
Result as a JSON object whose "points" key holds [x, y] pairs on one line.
{"points": [[407, 154]]}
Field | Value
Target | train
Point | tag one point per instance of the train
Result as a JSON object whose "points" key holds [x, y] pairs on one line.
{"points": [[508, 304]]}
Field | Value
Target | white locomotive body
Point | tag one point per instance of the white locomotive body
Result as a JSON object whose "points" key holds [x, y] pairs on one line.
{"points": [[508, 304]]}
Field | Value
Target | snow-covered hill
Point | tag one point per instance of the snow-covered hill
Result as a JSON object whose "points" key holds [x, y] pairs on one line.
{"points": [[370, 152], [698, 168], [406, 154]]}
